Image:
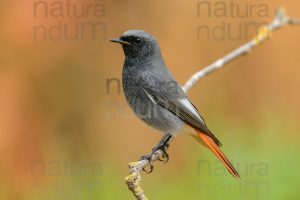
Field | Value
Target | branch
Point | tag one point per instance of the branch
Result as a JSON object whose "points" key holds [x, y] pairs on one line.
{"points": [[133, 181], [264, 33]]}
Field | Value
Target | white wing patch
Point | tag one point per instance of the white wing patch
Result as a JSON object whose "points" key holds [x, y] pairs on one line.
{"points": [[187, 104]]}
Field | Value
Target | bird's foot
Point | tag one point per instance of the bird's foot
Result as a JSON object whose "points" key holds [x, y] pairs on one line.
{"points": [[148, 158], [163, 158]]}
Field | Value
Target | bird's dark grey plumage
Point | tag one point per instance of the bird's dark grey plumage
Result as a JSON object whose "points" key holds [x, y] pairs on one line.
{"points": [[151, 91], [157, 99]]}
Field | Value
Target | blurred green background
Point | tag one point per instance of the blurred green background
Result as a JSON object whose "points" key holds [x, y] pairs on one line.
{"points": [[65, 135]]}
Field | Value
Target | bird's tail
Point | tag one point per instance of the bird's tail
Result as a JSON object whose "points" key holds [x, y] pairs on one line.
{"points": [[207, 141]]}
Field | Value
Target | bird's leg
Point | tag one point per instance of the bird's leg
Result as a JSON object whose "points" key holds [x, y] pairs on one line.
{"points": [[162, 145]]}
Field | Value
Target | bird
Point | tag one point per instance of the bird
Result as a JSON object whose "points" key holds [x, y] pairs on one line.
{"points": [[156, 98]]}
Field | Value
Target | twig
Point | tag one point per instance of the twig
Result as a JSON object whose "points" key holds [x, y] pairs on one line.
{"points": [[133, 181], [294, 21], [134, 178], [280, 20]]}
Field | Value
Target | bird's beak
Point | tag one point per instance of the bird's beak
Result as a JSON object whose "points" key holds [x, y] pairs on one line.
{"points": [[120, 41]]}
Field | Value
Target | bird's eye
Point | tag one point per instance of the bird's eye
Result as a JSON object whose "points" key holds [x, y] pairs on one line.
{"points": [[137, 41]]}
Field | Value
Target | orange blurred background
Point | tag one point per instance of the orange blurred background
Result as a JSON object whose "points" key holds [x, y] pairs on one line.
{"points": [[54, 103]]}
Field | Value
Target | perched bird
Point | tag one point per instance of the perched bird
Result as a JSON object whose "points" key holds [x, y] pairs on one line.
{"points": [[157, 99]]}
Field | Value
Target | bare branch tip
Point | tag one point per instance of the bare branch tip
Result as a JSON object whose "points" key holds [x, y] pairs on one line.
{"points": [[294, 21]]}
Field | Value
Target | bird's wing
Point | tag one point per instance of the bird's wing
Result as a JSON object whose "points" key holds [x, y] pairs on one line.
{"points": [[170, 96], [165, 92]]}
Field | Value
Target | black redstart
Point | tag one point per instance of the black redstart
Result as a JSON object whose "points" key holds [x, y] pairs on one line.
{"points": [[156, 98]]}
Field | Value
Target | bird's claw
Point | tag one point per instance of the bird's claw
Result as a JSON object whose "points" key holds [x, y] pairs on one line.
{"points": [[165, 157], [148, 158]]}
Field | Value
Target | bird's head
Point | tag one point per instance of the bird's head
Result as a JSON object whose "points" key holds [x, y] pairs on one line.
{"points": [[138, 44]]}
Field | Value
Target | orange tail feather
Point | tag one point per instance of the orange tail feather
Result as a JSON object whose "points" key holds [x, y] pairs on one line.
{"points": [[217, 151]]}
